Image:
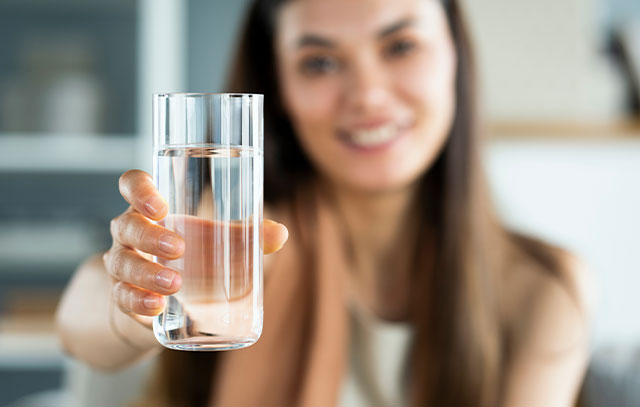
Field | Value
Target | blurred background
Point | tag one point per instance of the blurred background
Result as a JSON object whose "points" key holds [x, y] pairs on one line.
{"points": [[560, 94]]}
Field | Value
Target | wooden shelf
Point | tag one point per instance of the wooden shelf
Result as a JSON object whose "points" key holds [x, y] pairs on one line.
{"points": [[580, 130], [28, 341], [30, 351]]}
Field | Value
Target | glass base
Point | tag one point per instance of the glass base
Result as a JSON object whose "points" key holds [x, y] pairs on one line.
{"points": [[209, 343], [207, 327]]}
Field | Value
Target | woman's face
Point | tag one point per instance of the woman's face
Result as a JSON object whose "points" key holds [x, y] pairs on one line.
{"points": [[369, 86]]}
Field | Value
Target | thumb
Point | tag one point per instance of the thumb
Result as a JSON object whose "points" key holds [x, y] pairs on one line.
{"points": [[275, 236]]}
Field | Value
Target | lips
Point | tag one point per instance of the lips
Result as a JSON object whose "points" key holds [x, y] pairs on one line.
{"points": [[374, 137]]}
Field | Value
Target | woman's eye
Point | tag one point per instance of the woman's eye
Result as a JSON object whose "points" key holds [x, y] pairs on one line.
{"points": [[400, 48], [319, 65]]}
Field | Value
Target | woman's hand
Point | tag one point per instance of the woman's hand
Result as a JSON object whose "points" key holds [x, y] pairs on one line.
{"points": [[139, 283]]}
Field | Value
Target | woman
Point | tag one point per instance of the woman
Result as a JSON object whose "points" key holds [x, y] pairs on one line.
{"points": [[372, 163]]}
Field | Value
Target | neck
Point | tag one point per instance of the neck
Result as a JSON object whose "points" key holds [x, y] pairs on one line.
{"points": [[380, 230]]}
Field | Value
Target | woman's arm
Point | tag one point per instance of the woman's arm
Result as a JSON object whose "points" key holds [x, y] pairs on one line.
{"points": [[550, 341], [92, 328]]}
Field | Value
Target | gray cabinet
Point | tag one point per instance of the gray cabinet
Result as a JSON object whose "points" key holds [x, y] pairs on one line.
{"points": [[76, 78]]}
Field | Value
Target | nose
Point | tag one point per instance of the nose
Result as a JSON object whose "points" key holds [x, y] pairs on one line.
{"points": [[368, 88]]}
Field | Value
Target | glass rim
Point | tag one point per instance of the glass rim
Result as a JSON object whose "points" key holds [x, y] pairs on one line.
{"points": [[203, 94]]}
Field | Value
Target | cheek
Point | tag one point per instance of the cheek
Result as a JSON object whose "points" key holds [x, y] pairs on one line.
{"points": [[429, 82], [428, 85], [429, 79]]}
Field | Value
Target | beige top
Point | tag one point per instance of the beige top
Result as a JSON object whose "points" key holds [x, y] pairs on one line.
{"points": [[377, 352]]}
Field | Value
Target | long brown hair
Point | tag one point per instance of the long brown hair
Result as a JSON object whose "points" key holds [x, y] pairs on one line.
{"points": [[460, 346]]}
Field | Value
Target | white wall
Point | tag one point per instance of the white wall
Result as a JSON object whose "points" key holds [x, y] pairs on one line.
{"points": [[541, 60]]}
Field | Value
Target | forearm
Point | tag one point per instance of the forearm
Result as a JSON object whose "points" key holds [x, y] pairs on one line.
{"points": [[95, 331]]}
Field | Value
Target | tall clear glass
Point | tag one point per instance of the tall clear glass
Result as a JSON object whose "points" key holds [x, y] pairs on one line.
{"points": [[208, 165]]}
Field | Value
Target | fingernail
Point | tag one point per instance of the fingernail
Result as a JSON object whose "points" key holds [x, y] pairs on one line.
{"points": [[164, 278], [151, 302], [154, 205], [169, 244]]}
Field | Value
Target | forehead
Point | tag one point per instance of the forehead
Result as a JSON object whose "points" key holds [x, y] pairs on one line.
{"points": [[347, 18]]}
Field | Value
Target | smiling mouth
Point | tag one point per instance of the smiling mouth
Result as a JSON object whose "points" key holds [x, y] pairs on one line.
{"points": [[374, 137]]}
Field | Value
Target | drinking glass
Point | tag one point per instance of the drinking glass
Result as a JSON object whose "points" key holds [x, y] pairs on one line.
{"points": [[208, 165]]}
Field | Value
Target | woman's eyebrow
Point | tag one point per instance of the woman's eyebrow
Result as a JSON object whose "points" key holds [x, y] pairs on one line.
{"points": [[395, 27], [314, 40], [319, 41]]}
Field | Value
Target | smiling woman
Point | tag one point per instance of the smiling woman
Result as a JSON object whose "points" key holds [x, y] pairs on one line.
{"points": [[371, 103], [372, 162]]}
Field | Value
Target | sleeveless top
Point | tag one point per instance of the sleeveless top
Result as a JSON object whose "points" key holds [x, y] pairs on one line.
{"points": [[376, 362]]}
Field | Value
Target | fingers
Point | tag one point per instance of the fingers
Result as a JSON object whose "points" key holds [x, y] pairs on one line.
{"points": [[138, 189], [134, 230], [128, 266], [134, 300], [275, 236]]}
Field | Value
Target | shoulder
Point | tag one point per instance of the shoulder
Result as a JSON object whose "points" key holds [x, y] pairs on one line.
{"points": [[548, 346], [580, 281], [548, 304]]}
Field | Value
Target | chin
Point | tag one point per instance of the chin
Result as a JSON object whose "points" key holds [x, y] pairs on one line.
{"points": [[383, 182]]}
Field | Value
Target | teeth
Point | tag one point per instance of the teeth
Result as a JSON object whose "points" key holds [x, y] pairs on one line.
{"points": [[369, 138]]}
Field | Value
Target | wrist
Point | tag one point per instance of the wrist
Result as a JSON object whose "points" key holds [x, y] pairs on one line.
{"points": [[131, 332]]}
